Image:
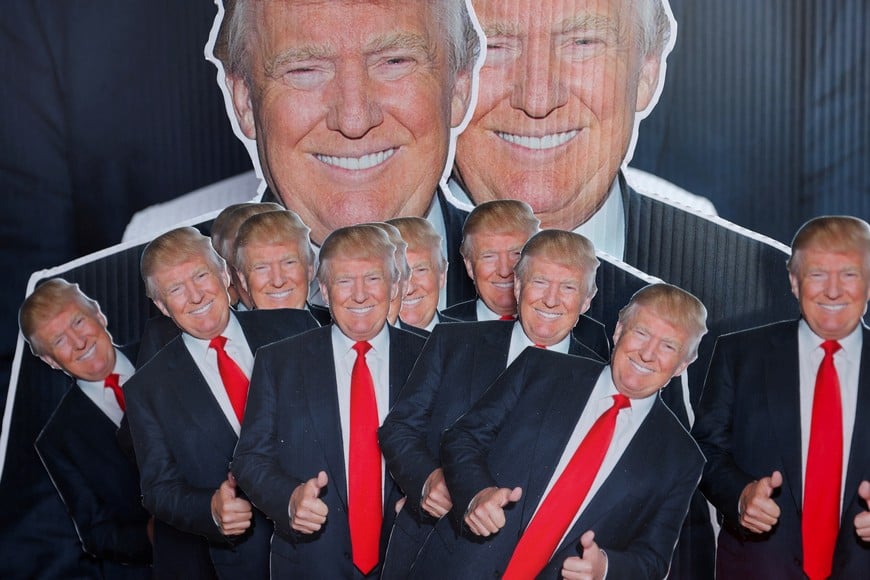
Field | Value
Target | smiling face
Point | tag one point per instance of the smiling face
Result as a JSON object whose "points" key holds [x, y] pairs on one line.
{"points": [[193, 293], [77, 342], [358, 292], [490, 264], [648, 352], [556, 105], [833, 289], [276, 275], [351, 105], [550, 298], [427, 279]]}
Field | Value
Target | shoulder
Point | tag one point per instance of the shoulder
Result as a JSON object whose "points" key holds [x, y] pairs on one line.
{"points": [[667, 427], [750, 338]]}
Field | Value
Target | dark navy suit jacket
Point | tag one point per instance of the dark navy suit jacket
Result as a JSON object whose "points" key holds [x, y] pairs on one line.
{"points": [[748, 426], [514, 436], [184, 447], [292, 431], [99, 485]]}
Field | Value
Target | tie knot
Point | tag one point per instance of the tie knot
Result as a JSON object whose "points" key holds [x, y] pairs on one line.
{"points": [[113, 381], [362, 347], [830, 347], [544, 346], [620, 402], [507, 317], [218, 342]]}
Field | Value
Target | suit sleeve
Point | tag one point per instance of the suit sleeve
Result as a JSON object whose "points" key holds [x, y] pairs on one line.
{"points": [[465, 446], [102, 533], [165, 492], [723, 480], [404, 434], [255, 462]]}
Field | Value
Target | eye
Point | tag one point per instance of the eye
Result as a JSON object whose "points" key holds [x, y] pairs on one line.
{"points": [[77, 323], [307, 76]]}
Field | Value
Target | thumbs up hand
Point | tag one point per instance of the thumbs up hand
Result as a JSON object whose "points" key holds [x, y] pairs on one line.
{"points": [[485, 515], [231, 513], [307, 510], [592, 565], [862, 520], [758, 512]]}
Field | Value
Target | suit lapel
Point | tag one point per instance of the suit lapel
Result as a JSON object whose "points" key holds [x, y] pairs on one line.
{"points": [[560, 418], [782, 387], [490, 358], [321, 390], [196, 400]]}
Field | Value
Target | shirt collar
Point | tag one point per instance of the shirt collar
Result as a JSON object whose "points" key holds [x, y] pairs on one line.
{"points": [[380, 342], [199, 346], [520, 334], [850, 344], [606, 228]]}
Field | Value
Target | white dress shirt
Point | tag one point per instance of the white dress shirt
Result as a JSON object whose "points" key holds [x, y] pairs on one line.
{"points": [[206, 361], [104, 397], [627, 423], [378, 361], [520, 342], [847, 361], [483, 311], [606, 228]]}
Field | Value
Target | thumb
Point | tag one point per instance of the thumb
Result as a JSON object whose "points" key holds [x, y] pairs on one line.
{"points": [[231, 479], [774, 481], [514, 495], [587, 541], [315, 484], [864, 491], [228, 489]]}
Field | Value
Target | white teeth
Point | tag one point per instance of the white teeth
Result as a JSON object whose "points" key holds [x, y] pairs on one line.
{"points": [[279, 295], [412, 301], [551, 315], [545, 142], [201, 309], [640, 368], [832, 307], [361, 310], [89, 353], [357, 163], [505, 285]]}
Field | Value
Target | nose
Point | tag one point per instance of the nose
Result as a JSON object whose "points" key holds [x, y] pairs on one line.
{"points": [[648, 350], [505, 265], [358, 292], [355, 109], [194, 294], [77, 340], [551, 296], [276, 276], [538, 87], [832, 287]]}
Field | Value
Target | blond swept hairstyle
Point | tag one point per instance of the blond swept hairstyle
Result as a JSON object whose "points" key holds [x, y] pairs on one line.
{"points": [[501, 216], [564, 248], [674, 305], [832, 233], [173, 248], [401, 246], [273, 227], [225, 228], [419, 234], [47, 301], [363, 241]]}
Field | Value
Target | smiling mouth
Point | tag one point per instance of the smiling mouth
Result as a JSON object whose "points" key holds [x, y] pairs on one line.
{"points": [[202, 309], [361, 311], [640, 368], [504, 285], [832, 307], [548, 315], [550, 141], [412, 301], [357, 163], [279, 295], [88, 353]]}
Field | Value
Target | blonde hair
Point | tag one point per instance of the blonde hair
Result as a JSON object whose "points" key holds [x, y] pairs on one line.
{"points": [[500, 216], [46, 302], [172, 248], [273, 227], [674, 305], [565, 248], [419, 234], [834, 233], [363, 241]]}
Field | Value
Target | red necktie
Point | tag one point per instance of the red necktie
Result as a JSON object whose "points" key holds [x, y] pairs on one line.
{"points": [[544, 346], [558, 509], [113, 381], [233, 378], [507, 317], [365, 508], [821, 517]]}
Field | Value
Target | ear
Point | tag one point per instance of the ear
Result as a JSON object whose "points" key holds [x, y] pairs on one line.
{"points": [[242, 281], [49, 360], [468, 268], [460, 99], [442, 278], [617, 333], [518, 289], [324, 294], [310, 273], [795, 285], [161, 306], [683, 366], [648, 81], [242, 107], [586, 303]]}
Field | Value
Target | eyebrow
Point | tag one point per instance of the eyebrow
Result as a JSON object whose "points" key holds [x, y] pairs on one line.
{"points": [[576, 23], [297, 54]]}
